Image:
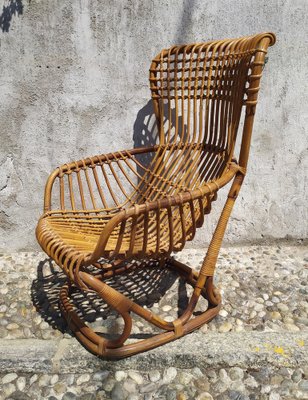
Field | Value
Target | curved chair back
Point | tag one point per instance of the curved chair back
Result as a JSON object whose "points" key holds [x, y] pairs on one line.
{"points": [[199, 91]]}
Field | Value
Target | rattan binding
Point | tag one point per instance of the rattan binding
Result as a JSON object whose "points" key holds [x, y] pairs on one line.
{"points": [[108, 210]]}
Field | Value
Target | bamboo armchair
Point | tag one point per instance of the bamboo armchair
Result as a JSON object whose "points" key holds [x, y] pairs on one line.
{"points": [[102, 212]]}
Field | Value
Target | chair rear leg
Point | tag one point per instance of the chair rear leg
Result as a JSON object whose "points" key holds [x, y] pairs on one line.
{"points": [[204, 279]]}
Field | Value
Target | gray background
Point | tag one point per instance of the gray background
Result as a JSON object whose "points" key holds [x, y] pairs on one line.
{"points": [[74, 82]]}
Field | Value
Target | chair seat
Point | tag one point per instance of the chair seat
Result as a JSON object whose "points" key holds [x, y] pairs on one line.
{"points": [[77, 230], [71, 230], [80, 232]]}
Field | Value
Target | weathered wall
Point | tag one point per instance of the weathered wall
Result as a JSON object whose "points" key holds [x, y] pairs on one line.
{"points": [[73, 82]]}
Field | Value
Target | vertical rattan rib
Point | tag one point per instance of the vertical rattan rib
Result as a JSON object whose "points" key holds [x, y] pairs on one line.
{"points": [[108, 210]]}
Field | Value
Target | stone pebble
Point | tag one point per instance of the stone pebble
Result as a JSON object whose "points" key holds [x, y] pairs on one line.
{"points": [[160, 383]]}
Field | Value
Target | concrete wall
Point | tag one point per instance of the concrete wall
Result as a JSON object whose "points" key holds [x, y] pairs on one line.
{"points": [[73, 82]]}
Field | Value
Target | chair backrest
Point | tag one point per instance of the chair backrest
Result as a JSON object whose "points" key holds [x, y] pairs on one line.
{"points": [[199, 91]]}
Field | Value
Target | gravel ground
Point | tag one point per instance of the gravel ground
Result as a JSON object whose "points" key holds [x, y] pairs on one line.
{"points": [[169, 383], [264, 288]]}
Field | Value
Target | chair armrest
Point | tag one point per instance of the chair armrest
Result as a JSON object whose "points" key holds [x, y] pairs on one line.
{"points": [[85, 164], [48, 189], [66, 185]]}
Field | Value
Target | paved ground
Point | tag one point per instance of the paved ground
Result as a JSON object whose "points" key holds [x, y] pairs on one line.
{"points": [[255, 349]]}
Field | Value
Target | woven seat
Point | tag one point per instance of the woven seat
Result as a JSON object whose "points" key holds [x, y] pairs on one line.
{"points": [[108, 210]]}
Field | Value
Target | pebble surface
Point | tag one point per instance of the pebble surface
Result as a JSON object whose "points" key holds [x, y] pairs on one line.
{"points": [[221, 384], [264, 288]]}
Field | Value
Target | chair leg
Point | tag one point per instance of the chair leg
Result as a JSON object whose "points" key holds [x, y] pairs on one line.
{"points": [[94, 342], [115, 349], [202, 282]]}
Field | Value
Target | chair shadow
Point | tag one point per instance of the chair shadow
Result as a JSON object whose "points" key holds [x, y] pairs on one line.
{"points": [[146, 131], [145, 127], [145, 283]]}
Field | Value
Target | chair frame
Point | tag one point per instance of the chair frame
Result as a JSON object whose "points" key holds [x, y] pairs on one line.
{"points": [[75, 262]]}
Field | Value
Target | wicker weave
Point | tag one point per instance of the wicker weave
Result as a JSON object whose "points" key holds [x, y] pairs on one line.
{"points": [[107, 210]]}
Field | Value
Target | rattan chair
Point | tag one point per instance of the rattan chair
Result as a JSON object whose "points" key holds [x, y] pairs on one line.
{"points": [[105, 212]]}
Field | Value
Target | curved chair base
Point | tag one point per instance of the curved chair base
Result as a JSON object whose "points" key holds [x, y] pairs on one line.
{"points": [[116, 349]]}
